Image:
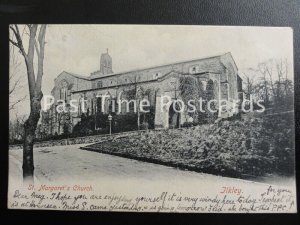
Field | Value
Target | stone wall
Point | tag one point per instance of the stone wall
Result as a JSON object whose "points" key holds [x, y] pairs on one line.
{"points": [[79, 140]]}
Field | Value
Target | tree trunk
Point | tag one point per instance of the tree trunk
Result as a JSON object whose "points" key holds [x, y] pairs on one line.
{"points": [[35, 87], [30, 127]]}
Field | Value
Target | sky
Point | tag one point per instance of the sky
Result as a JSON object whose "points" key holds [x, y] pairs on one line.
{"points": [[77, 49]]}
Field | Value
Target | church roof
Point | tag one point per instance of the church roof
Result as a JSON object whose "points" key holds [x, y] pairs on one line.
{"points": [[97, 74], [76, 75]]}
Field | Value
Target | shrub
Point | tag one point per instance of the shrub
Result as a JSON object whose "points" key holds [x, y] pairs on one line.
{"points": [[252, 146]]}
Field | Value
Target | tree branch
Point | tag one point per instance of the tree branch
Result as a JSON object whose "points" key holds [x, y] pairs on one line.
{"points": [[41, 39], [14, 43], [36, 48], [12, 106], [19, 42], [30, 67], [12, 88]]}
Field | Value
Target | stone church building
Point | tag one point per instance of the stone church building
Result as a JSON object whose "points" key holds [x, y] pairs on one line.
{"points": [[149, 83]]}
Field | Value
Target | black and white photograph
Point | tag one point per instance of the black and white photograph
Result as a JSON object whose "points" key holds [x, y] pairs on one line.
{"points": [[151, 118]]}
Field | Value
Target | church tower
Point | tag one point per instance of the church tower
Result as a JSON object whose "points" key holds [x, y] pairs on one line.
{"points": [[105, 63]]}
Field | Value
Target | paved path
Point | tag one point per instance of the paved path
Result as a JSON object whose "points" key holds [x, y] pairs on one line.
{"points": [[60, 163]]}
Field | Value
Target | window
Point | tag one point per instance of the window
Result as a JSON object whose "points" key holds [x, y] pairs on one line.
{"points": [[99, 105], [132, 107], [110, 106], [156, 75], [63, 90], [79, 107], [82, 106], [194, 69], [63, 94], [99, 84]]}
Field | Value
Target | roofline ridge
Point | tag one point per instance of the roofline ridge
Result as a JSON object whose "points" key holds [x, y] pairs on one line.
{"points": [[161, 65]]}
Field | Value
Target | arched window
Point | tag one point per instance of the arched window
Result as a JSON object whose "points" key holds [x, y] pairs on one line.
{"points": [[216, 90], [64, 93], [99, 105], [210, 89], [79, 107], [107, 104], [92, 106], [82, 105], [63, 90]]}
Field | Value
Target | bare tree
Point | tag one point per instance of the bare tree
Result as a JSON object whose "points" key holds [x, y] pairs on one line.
{"points": [[284, 86], [280, 79], [249, 84], [36, 43], [16, 128], [264, 71], [273, 85], [286, 79], [14, 80]]}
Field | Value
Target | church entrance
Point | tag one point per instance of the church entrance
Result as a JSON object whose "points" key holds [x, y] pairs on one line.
{"points": [[174, 116]]}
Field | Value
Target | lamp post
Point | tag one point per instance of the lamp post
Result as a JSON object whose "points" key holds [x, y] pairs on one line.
{"points": [[109, 120]]}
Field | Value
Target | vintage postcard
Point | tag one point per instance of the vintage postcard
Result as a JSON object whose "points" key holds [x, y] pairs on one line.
{"points": [[152, 118]]}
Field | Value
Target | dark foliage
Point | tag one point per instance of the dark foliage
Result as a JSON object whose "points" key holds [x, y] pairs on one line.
{"points": [[250, 147]]}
